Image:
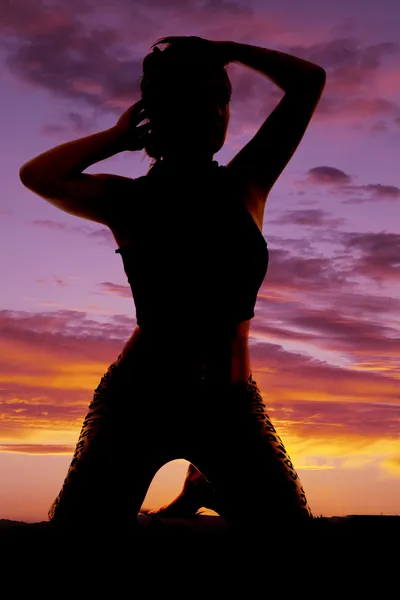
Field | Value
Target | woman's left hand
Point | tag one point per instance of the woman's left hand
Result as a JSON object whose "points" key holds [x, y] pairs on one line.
{"points": [[220, 48]]}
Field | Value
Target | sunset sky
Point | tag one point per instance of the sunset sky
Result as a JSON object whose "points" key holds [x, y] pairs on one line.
{"points": [[324, 344]]}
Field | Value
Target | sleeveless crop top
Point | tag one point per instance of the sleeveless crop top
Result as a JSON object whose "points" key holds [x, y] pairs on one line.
{"points": [[194, 261]]}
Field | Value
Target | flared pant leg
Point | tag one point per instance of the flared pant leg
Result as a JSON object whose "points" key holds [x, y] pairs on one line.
{"points": [[240, 453], [119, 450]]}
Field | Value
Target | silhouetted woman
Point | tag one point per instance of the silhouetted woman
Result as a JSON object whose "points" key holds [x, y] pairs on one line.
{"points": [[190, 236]]}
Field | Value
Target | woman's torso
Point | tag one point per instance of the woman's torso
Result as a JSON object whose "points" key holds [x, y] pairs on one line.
{"points": [[226, 352]]}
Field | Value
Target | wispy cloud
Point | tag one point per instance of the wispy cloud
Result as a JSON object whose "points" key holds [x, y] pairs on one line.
{"points": [[119, 290], [36, 449], [101, 234]]}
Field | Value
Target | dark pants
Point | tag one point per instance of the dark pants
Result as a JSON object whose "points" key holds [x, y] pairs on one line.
{"points": [[138, 422]]}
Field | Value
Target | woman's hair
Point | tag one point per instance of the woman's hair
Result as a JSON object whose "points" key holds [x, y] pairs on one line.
{"points": [[170, 78]]}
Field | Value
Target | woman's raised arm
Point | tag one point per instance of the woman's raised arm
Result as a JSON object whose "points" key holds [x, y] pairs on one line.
{"points": [[263, 158], [56, 175]]}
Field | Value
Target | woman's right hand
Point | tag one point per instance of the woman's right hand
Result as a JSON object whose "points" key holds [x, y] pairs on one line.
{"points": [[132, 135]]}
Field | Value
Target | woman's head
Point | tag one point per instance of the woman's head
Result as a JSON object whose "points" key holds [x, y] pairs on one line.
{"points": [[186, 94]]}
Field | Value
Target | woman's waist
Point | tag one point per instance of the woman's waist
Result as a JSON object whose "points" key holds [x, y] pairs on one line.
{"points": [[205, 343], [207, 355]]}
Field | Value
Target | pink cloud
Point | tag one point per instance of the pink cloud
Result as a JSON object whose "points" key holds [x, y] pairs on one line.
{"points": [[119, 290]]}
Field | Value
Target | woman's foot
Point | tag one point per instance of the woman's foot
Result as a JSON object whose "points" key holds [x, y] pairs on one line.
{"points": [[196, 493]]}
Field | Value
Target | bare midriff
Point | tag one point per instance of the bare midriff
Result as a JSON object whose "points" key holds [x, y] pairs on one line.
{"points": [[225, 356]]}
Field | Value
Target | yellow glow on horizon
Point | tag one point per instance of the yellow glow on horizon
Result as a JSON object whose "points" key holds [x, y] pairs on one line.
{"points": [[70, 376], [310, 467], [36, 451]]}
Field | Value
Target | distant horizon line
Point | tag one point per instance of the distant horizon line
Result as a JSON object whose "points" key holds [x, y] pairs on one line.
{"points": [[320, 516]]}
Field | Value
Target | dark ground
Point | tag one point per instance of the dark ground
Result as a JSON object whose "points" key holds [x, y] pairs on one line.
{"points": [[339, 557]]}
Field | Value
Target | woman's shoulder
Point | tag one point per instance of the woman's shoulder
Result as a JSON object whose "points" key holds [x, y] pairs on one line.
{"points": [[156, 181], [131, 191]]}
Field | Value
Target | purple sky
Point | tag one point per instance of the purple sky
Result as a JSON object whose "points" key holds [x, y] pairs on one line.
{"points": [[325, 342]]}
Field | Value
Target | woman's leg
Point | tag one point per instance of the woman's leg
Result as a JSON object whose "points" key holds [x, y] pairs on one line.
{"points": [[114, 460], [246, 462], [197, 492], [270, 453]]}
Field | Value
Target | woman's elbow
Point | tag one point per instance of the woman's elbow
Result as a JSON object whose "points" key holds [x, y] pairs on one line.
{"points": [[27, 176]]}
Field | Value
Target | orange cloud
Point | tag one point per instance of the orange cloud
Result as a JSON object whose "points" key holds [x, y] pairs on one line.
{"points": [[36, 449]]}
